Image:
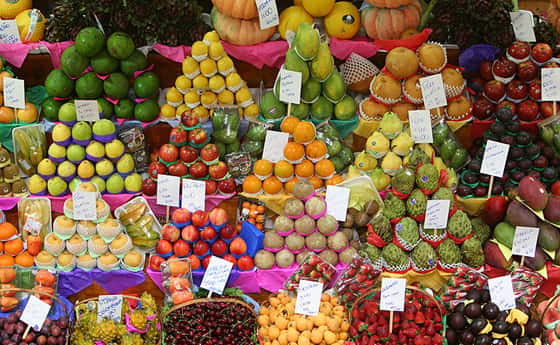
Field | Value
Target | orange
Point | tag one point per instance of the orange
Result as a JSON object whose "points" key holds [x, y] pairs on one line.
{"points": [[13, 247], [283, 169], [24, 259], [304, 132], [324, 168], [316, 149], [7, 230], [6, 115], [294, 151], [252, 184], [6, 260], [272, 185], [305, 169], [289, 124], [336, 179], [2, 75], [289, 186], [316, 182], [28, 114], [262, 167]]}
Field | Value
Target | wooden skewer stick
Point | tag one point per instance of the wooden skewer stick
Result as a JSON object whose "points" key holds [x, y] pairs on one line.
{"points": [[391, 313], [490, 187]]}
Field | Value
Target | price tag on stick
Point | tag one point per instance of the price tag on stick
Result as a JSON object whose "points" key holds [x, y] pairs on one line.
{"points": [[274, 145], [501, 292], [14, 93], [168, 190], [268, 13], [308, 298], [420, 126], [35, 313], [550, 84], [84, 205], [87, 110], [525, 241], [523, 25], [437, 214], [193, 196], [290, 86], [9, 32], [392, 294], [109, 307], [337, 202], [433, 91], [494, 158], [216, 275]]}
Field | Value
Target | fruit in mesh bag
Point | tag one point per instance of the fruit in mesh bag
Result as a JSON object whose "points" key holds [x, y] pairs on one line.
{"points": [[358, 73]]}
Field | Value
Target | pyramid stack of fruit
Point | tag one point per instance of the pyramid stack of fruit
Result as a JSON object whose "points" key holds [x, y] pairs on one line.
{"points": [[15, 251], [527, 156], [209, 79], [83, 152], [28, 114], [199, 236], [323, 91], [305, 158], [95, 68]]}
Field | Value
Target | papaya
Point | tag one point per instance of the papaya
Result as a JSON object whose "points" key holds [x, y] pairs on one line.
{"points": [[334, 88], [295, 63], [322, 64], [311, 91], [322, 109], [306, 42]]}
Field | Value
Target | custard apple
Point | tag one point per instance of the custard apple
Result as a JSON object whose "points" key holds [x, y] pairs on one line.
{"points": [[407, 229], [423, 256], [394, 256], [480, 229], [473, 254], [427, 177], [444, 194], [416, 203], [448, 252], [394, 207], [459, 225], [403, 181], [382, 227]]}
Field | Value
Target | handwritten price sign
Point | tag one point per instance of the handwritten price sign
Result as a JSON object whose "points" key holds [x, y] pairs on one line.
{"points": [[216, 275], [9, 32], [109, 307], [523, 25], [84, 206], [87, 110], [290, 86], [437, 213], [337, 201], [501, 292], [274, 145], [494, 159], [35, 313], [194, 195], [308, 298], [420, 126], [168, 190], [268, 13], [14, 93], [525, 241], [433, 91], [392, 294], [550, 84]]}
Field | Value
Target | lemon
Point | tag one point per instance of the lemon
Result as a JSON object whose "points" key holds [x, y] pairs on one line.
{"points": [[208, 67], [174, 97], [190, 67], [216, 51], [192, 99], [225, 66], [244, 97], [167, 111], [226, 97], [318, 8], [208, 99], [211, 36], [183, 83], [199, 51], [251, 111], [181, 109], [217, 83], [200, 82], [234, 82]]}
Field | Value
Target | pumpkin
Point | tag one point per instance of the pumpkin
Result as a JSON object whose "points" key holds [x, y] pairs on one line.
{"points": [[344, 21], [389, 23], [290, 19], [241, 9], [9, 9], [389, 3], [239, 31]]}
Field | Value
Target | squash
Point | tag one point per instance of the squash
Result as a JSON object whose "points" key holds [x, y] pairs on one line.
{"points": [[9, 9], [344, 21], [389, 23], [388, 3], [239, 31], [290, 19], [241, 9]]}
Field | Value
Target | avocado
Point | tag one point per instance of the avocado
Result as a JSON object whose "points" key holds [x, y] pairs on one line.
{"points": [[146, 85], [72, 62], [124, 109], [120, 45], [90, 41], [146, 111], [135, 62], [50, 108]]}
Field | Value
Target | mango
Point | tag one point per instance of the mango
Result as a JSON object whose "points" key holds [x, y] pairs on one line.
{"points": [[519, 215], [538, 261], [549, 237], [504, 233], [494, 256], [306, 43], [533, 192], [323, 63]]}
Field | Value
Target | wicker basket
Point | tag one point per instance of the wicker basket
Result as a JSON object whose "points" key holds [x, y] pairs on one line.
{"points": [[551, 303]]}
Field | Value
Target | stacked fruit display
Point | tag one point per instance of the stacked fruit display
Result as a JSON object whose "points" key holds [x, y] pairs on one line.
{"points": [[239, 24], [209, 79], [527, 156], [95, 68], [199, 236], [188, 154], [323, 91], [513, 81], [26, 115], [85, 153], [13, 247]]}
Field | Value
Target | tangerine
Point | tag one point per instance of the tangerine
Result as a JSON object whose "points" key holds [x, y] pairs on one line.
{"points": [[316, 149], [6, 260], [304, 132], [283, 170], [316, 182], [294, 151], [272, 185], [324, 168], [305, 169], [13, 247], [24, 259], [262, 168], [289, 186], [7, 230], [252, 184], [289, 124], [336, 179], [7, 115]]}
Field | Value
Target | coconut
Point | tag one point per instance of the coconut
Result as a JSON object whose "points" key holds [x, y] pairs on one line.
{"points": [[338, 241], [347, 255], [349, 233], [264, 260], [293, 207], [283, 224], [329, 256], [302, 189], [327, 224], [315, 206], [295, 242], [316, 241], [284, 258], [273, 240], [302, 256], [305, 225]]}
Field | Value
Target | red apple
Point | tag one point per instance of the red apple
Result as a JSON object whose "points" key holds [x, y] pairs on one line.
{"points": [[517, 90], [227, 186], [535, 90], [208, 233], [178, 136], [168, 153], [211, 187], [219, 248], [200, 248], [507, 104], [199, 218], [495, 210], [555, 188], [190, 233], [528, 110], [155, 262], [483, 109], [188, 154], [209, 152], [527, 71], [541, 52], [206, 261], [245, 263], [230, 258], [164, 247], [519, 51], [198, 170], [149, 187], [195, 262], [228, 232], [218, 171], [494, 90], [198, 136], [218, 216], [238, 246], [181, 248], [503, 68], [188, 119], [178, 169], [155, 169], [485, 70], [546, 109], [170, 233], [181, 216]]}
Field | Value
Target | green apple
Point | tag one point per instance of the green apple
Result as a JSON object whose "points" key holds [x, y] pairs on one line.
{"points": [[104, 127], [133, 183], [67, 112], [99, 182], [46, 167], [81, 131], [75, 153], [125, 164], [114, 149], [115, 184], [86, 169], [96, 149], [56, 186], [104, 167], [57, 151], [66, 169]]}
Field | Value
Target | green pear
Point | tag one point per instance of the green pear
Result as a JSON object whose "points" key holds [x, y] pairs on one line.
{"points": [[75, 153], [133, 183], [104, 167], [61, 132], [103, 127], [114, 149], [66, 169], [72, 185], [81, 131], [57, 151], [46, 167], [56, 186], [95, 149], [36, 184], [125, 164], [115, 184], [99, 182], [67, 112]]}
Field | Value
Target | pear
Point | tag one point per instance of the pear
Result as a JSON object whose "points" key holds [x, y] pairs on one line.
{"points": [[125, 164], [114, 149], [66, 169], [81, 131], [103, 127], [133, 183], [36, 184], [95, 149], [46, 167], [56, 186], [115, 184], [75, 153], [57, 151], [99, 182], [104, 167], [86, 169]]}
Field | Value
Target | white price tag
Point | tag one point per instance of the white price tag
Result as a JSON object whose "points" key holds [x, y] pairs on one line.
{"points": [[168, 188], [392, 294], [308, 298], [437, 213], [525, 241], [290, 86], [35, 313], [433, 91], [268, 13], [337, 202], [274, 145], [84, 205], [14, 93], [420, 126], [109, 307], [87, 110], [9, 32], [523, 25], [193, 196], [550, 84], [32, 225], [216, 276], [494, 158], [501, 292]]}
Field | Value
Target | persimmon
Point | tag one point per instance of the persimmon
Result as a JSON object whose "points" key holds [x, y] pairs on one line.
{"points": [[304, 132], [289, 124], [24, 259], [272, 185], [252, 184], [7, 230], [294, 152]]}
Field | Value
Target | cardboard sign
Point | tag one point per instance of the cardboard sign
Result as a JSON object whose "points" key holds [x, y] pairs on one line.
{"points": [[168, 188], [109, 307], [14, 93], [35, 313], [268, 13], [501, 292], [32, 225], [290, 86], [437, 214], [420, 126], [193, 196], [84, 205], [550, 84], [523, 25], [494, 158], [9, 32], [216, 275], [433, 91], [392, 294], [274, 145], [308, 298], [337, 201], [87, 110], [525, 241]]}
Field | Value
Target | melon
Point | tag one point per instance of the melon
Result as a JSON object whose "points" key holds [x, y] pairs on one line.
{"points": [[9, 9]]}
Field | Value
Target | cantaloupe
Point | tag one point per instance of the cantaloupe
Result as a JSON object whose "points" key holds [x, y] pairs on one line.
{"points": [[9, 9]]}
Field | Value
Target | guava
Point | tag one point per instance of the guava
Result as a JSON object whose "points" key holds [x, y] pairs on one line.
{"points": [[67, 112], [75, 153], [115, 184], [56, 186]]}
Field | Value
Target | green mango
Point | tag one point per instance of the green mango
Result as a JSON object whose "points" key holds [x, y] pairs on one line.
{"points": [[306, 42], [440, 132], [459, 158], [547, 135], [556, 141], [311, 91], [504, 233], [322, 109]]}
